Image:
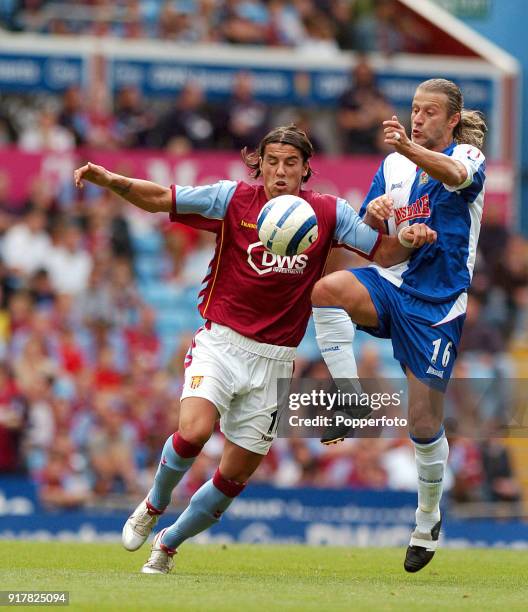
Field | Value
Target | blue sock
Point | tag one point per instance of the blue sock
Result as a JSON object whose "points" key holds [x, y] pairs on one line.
{"points": [[205, 509], [171, 469]]}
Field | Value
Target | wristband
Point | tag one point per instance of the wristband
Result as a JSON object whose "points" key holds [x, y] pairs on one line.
{"points": [[403, 241]]}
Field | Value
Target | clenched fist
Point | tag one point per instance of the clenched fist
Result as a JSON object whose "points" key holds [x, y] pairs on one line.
{"points": [[416, 235], [381, 208]]}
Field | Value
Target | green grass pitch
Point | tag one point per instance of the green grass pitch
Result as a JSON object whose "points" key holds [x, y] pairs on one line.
{"points": [[257, 577]]}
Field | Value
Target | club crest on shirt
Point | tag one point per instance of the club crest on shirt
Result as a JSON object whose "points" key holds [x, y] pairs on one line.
{"points": [[196, 381], [424, 178]]}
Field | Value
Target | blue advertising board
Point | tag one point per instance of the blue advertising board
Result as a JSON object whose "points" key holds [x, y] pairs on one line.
{"points": [[155, 77], [266, 514], [30, 73], [280, 85]]}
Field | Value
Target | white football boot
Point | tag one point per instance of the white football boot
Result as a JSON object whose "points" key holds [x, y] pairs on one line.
{"points": [[139, 525], [160, 560]]}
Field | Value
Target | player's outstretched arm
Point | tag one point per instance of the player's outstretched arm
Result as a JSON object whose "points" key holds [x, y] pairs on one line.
{"points": [[143, 194], [439, 166], [393, 250]]}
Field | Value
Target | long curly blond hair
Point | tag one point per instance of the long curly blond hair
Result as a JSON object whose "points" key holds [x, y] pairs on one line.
{"points": [[471, 129]]}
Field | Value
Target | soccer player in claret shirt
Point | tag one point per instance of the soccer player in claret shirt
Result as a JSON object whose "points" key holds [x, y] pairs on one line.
{"points": [[437, 177], [256, 309]]}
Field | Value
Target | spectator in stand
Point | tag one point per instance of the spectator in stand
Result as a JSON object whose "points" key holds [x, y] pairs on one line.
{"points": [[41, 289], [195, 266], [70, 356], [510, 277], [388, 29], [19, 315], [367, 469], [4, 320], [42, 197], [132, 25], [67, 262], [8, 208], [107, 377], [29, 16], [341, 12], [306, 121], [107, 233], [207, 21], [111, 446], [142, 339], [39, 435], [120, 238], [245, 22], [180, 22], [478, 334], [320, 36], [466, 464], [101, 133], [8, 132], [12, 421], [286, 27], [500, 483], [73, 115], [494, 234], [45, 134], [61, 484], [34, 362], [25, 246], [96, 304], [125, 294], [8, 10], [244, 120], [133, 119], [361, 110], [187, 126]]}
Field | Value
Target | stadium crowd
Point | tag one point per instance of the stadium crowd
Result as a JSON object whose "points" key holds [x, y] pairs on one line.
{"points": [[89, 382], [90, 372], [190, 121], [327, 25]]}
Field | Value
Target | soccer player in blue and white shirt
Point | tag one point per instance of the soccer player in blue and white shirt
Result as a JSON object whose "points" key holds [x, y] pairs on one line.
{"points": [[435, 177]]}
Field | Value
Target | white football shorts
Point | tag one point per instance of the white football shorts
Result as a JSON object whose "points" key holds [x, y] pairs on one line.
{"points": [[239, 376]]}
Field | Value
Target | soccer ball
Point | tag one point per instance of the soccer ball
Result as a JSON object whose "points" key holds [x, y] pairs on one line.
{"points": [[287, 225]]}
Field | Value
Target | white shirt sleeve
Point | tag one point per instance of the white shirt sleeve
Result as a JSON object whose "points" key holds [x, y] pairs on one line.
{"points": [[473, 161]]}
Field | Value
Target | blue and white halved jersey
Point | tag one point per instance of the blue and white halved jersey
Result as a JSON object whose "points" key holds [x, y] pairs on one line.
{"points": [[441, 271]]}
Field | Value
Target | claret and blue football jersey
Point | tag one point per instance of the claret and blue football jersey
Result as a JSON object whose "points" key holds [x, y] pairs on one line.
{"points": [[256, 293]]}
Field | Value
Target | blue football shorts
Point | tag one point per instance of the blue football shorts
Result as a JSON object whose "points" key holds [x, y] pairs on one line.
{"points": [[429, 350]]}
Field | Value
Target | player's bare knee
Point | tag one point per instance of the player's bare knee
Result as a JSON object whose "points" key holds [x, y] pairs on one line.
{"points": [[325, 292], [197, 432], [423, 426]]}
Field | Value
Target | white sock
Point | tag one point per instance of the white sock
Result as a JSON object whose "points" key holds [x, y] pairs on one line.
{"points": [[431, 461], [334, 332]]}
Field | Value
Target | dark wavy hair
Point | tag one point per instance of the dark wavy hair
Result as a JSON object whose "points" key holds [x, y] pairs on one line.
{"points": [[289, 134]]}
